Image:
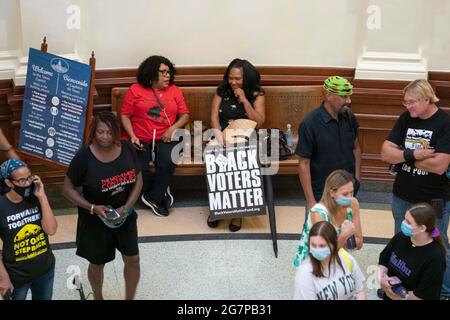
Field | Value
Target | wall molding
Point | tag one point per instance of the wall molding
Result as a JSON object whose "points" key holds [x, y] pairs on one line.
{"points": [[21, 71], [376, 103], [9, 62], [377, 65]]}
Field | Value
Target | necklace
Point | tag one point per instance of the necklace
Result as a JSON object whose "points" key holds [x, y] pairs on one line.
{"points": [[420, 245]]}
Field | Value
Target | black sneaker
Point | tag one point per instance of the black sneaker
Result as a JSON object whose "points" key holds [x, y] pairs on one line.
{"points": [[211, 223], [168, 199], [380, 293], [233, 227], [158, 209]]}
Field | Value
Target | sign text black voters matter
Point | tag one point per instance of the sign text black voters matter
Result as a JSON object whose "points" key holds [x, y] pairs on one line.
{"points": [[235, 184], [54, 107]]}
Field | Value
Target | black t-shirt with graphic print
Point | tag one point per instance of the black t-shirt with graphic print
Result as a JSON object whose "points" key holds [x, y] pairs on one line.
{"points": [[104, 183], [230, 109], [421, 269], [26, 251], [413, 184]]}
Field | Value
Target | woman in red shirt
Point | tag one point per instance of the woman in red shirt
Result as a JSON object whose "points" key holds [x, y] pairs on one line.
{"points": [[152, 110]]}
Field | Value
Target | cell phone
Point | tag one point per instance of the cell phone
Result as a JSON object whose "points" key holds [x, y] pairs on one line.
{"points": [[112, 214], [351, 242], [138, 146], [398, 288], [37, 185]]}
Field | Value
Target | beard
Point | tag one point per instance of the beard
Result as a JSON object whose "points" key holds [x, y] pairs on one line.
{"points": [[345, 108]]}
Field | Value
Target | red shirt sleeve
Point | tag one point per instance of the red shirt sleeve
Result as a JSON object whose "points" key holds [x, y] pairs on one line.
{"points": [[181, 103], [127, 108]]}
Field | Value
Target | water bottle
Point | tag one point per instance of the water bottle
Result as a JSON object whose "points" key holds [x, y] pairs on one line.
{"points": [[400, 291], [288, 135], [398, 288], [351, 242]]}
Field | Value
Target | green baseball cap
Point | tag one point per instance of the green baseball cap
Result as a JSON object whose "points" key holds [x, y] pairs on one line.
{"points": [[338, 85]]}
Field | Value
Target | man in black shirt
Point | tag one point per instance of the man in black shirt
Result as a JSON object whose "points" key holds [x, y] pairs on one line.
{"points": [[419, 144], [328, 140]]}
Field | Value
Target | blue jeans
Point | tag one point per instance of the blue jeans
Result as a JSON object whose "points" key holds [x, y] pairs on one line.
{"points": [[399, 208], [41, 288]]}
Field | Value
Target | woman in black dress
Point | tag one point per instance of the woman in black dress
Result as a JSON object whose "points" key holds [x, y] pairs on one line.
{"points": [[239, 96]]}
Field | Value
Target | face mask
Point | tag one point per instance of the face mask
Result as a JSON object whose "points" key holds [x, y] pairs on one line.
{"points": [[24, 192], [407, 229], [344, 201], [320, 253]]}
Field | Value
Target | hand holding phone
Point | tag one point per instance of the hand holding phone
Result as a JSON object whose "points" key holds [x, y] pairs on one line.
{"points": [[137, 144], [38, 186], [112, 214], [398, 288]]}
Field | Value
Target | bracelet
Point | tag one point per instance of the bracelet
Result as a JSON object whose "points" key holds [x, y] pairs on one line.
{"points": [[408, 154], [92, 209]]}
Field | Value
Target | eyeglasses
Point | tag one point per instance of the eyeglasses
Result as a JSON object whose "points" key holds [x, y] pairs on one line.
{"points": [[24, 181], [409, 102], [165, 73]]}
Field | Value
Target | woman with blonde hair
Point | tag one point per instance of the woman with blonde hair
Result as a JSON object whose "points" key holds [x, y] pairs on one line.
{"points": [[340, 208], [419, 146]]}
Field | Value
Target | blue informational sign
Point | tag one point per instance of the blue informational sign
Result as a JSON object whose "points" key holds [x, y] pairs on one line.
{"points": [[54, 107]]}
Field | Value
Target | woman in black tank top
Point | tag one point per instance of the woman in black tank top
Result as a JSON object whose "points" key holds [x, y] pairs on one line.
{"points": [[239, 96]]}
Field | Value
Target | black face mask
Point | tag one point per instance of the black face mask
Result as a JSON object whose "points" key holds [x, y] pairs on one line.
{"points": [[25, 192]]}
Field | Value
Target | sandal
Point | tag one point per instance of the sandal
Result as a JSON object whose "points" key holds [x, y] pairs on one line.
{"points": [[235, 227]]}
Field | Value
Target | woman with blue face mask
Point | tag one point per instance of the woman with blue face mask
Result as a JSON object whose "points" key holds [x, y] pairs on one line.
{"points": [[329, 273], [414, 258], [340, 208]]}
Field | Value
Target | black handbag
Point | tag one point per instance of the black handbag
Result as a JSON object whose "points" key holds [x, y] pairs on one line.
{"points": [[284, 152]]}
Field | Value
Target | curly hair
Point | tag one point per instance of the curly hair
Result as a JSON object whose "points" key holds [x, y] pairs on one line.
{"points": [[148, 70], [251, 80]]}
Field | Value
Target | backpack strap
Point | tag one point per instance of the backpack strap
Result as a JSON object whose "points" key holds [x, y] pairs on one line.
{"points": [[347, 260]]}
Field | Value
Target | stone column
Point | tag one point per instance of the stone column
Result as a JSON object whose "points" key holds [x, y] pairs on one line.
{"points": [[45, 18], [394, 44]]}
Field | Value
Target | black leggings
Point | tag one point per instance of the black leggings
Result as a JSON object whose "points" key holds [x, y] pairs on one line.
{"points": [[156, 185]]}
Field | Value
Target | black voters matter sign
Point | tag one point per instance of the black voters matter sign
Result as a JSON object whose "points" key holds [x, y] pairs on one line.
{"points": [[54, 107], [235, 185]]}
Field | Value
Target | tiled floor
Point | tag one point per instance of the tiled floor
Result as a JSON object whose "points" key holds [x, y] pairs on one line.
{"points": [[182, 258]]}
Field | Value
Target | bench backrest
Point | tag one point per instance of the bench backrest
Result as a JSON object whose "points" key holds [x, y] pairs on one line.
{"points": [[284, 104]]}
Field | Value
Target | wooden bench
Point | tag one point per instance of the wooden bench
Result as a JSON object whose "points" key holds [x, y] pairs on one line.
{"points": [[284, 104]]}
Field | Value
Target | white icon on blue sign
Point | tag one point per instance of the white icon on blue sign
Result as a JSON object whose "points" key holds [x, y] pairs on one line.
{"points": [[55, 101], [51, 131], [50, 142], [48, 153], [59, 65]]}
